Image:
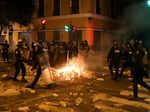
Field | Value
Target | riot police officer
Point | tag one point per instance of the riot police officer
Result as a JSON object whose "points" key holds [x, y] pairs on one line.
{"points": [[39, 66], [127, 57], [138, 71], [114, 59], [19, 65], [5, 52]]}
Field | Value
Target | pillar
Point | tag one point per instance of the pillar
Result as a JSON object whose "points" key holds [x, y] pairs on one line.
{"points": [[89, 36]]}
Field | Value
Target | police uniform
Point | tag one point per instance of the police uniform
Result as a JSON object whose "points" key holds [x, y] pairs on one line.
{"points": [[114, 61], [138, 72], [39, 68], [20, 63], [127, 57], [5, 52]]}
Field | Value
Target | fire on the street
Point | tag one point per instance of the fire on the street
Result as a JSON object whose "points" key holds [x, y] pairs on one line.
{"points": [[72, 70], [69, 72]]}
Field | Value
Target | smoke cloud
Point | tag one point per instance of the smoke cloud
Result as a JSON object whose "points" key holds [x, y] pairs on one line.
{"points": [[136, 19]]}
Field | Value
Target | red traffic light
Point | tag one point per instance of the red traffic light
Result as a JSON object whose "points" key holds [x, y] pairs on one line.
{"points": [[74, 29], [43, 22]]}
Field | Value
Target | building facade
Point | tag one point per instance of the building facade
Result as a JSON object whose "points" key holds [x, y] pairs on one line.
{"points": [[95, 21]]}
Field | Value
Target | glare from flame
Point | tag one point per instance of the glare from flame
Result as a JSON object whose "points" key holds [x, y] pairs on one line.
{"points": [[71, 71]]}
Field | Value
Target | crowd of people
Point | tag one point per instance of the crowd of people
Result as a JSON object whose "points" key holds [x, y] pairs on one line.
{"points": [[130, 55], [42, 54]]}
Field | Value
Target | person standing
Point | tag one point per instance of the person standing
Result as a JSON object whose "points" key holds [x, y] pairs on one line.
{"points": [[5, 52], [19, 65], [138, 71], [113, 59]]}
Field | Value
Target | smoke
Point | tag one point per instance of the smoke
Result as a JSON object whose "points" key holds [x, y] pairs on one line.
{"points": [[96, 61], [137, 16], [136, 20]]}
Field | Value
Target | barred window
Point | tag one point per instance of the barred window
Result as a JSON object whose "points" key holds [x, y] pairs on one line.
{"points": [[75, 6], [41, 8], [98, 9], [56, 10]]}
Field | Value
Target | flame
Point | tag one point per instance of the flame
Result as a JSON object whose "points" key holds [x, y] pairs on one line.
{"points": [[70, 71]]}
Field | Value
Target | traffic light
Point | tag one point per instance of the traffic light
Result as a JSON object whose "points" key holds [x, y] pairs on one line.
{"points": [[67, 28], [70, 28], [74, 29], [43, 22]]}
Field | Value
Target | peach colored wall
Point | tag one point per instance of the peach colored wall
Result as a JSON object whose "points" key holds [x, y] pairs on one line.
{"points": [[88, 35]]}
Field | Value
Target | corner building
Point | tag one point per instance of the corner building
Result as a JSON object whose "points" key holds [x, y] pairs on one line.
{"points": [[95, 20]]}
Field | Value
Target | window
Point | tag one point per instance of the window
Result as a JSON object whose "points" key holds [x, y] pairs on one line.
{"points": [[98, 10], [113, 8], [56, 35], [75, 6], [41, 8], [56, 11]]}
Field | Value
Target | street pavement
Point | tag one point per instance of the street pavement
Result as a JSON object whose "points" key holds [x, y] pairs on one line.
{"points": [[95, 93]]}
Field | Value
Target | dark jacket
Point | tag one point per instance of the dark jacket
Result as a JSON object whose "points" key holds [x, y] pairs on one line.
{"points": [[114, 55]]}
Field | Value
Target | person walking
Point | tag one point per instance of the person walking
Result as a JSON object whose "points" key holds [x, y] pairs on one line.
{"points": [[19, 65], [113, 59], [138, 73], [41, 63]]}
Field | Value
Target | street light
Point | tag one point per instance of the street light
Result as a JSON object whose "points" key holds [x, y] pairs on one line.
{"points": [[148, 3]]}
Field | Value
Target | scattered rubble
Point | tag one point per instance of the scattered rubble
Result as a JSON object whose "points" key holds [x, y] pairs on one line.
{"points": [[28, 90], [24, 109], [105, 108], [44, 107], [78, 101], [117, 105], [70, 93], [55, 95], [63, 104], [147, 100], [10, 92], [99, 96], [126, 93], [100, 79], [75, 94], [81, 94]]}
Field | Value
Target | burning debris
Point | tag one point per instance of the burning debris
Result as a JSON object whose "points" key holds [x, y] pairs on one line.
{"points": [[74, 69]]}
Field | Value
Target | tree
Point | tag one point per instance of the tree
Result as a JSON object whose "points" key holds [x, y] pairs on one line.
{"points": [[19, 11]]}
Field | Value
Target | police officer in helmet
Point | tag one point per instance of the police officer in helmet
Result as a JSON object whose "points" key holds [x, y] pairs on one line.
{"points": [[19, 65], [113, 59]]}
